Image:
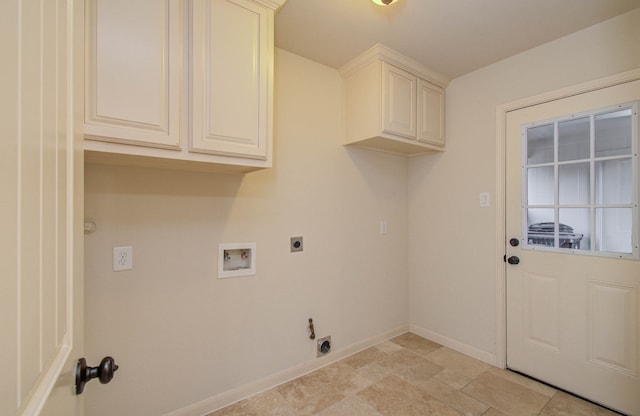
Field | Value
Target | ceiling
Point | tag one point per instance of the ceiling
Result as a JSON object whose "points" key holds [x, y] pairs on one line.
{"points": [[451, 37]]}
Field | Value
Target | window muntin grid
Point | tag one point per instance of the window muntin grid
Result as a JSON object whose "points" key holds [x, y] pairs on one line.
{"points": [[580, 183]]}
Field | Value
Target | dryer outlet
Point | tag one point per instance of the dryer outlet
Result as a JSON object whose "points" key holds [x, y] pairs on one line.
{"points": [[324, 346]]}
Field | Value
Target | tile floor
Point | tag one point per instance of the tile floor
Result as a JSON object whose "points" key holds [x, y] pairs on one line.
{"points": [[407, 376]]}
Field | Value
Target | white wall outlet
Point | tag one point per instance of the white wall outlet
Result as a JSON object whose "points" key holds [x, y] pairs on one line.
{"points": [[122, 258]]}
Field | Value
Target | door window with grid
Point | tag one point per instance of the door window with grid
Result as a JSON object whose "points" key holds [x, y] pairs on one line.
{"points": [[581, 183]]}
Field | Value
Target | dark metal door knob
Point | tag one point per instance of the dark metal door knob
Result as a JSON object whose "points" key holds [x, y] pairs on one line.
{"points": [[104, 372], [513, 260]]}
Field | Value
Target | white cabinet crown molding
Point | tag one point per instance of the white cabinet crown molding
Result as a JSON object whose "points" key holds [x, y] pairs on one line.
{"points": [[272, 4], [386, 54]]}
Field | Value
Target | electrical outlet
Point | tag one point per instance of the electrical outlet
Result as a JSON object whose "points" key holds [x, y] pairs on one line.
{"points": [[296, 244], [122, 258], [323, 346]]}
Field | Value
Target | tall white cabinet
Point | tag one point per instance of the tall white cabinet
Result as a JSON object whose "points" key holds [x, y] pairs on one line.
{"points": [[180, 84], [393, 104]]}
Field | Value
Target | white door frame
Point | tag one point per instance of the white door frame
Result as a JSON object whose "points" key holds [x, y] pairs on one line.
{"points": [[501, 139]]}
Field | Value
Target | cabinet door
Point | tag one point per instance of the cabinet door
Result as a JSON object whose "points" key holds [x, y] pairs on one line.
{"points": [[133, 61], [430, 113], [398, 101], [231, 77]]}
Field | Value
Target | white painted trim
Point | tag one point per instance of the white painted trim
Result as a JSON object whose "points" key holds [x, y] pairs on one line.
{"points": [[454, 344], [242, 392], [43, 386], [501, 119], [272, 4], [383, 53], [500, 240]]}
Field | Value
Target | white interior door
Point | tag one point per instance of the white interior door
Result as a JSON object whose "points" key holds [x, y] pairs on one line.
{"points": [[41, 206], [573, 300]]}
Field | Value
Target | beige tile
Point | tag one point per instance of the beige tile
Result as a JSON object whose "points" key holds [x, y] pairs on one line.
{"points": [[420, 374], [453, 360], [524, 381], [388, 347], [505, 396], [454, 398], [454, 378], [372, 373], [351, 406], [393, 396], [458, 369], [361, 378], [340, 376], [416, 343], [365, 357], [238, 409], [307, 399], [563, 404], [316, 391], [396, 362], [493, 412], [269, 403]]}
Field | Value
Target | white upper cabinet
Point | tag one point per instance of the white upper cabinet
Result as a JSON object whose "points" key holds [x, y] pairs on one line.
{"points": [[180, 84], [399, 101], [430, 113], [132, 67], [230, 85], [393, 104]]}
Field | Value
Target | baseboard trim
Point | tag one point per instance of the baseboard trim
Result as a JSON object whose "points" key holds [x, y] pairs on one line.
{"points": [[454, 344], [242, 392]]}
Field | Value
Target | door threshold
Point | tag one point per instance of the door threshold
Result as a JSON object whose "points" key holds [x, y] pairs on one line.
{"points": [[567, 392]]}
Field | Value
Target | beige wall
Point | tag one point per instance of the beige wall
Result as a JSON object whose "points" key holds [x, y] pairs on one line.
{"points": [[181, 335], [452, 249]]}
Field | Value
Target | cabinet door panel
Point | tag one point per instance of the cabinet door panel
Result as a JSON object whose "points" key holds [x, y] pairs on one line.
{"points": [[133, 63], [230, 89], [399, 101], [430, 113]]}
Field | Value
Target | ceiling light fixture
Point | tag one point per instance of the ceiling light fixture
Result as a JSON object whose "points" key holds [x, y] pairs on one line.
{"points": [[384, 2]]}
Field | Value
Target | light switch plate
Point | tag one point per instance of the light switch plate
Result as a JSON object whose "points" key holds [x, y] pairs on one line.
{"points": [[485, 200]]}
